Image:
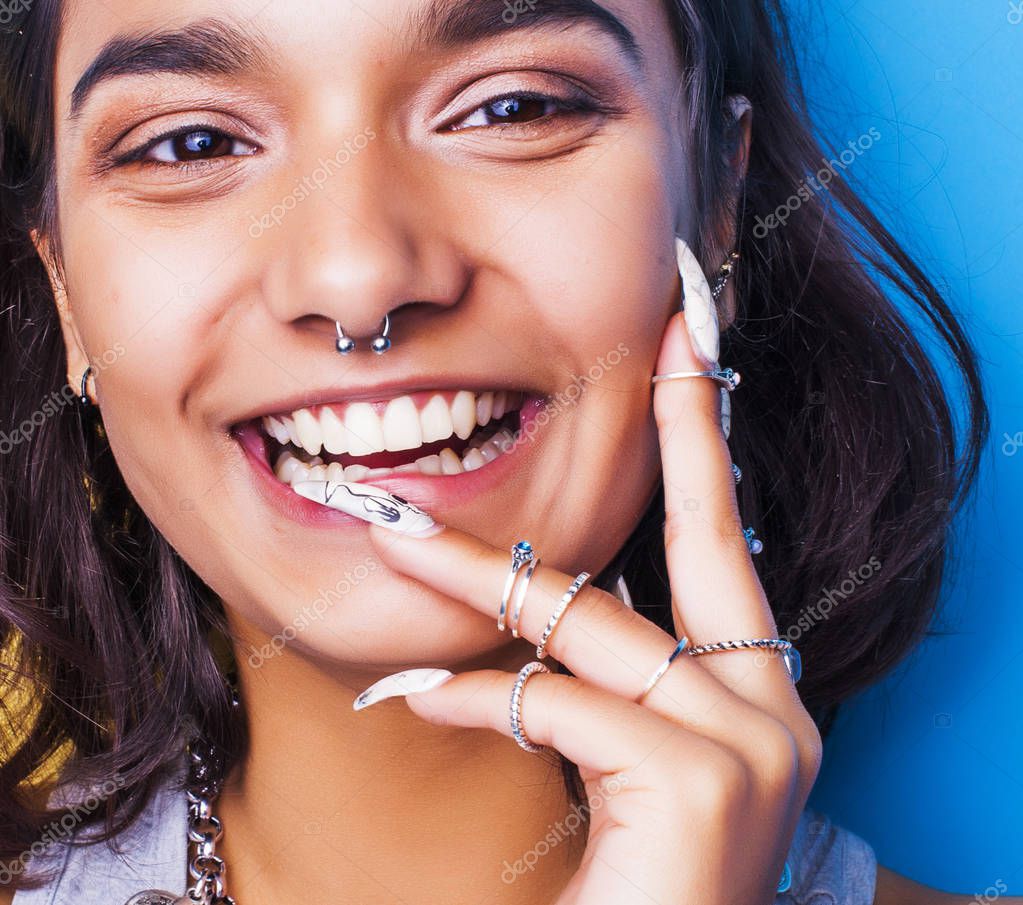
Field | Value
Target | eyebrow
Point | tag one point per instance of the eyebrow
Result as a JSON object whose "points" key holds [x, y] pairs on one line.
{"points": [[198, 48], [224, 47]]}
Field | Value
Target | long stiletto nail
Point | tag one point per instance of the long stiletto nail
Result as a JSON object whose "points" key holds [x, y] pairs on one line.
{"points": [[370, 504], [401, 683], [700, 311]]}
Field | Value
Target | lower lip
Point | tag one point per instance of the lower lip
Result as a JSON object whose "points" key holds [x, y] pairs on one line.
{"points": [[434, 494]]}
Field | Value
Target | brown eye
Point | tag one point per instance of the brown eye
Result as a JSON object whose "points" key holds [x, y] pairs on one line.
{"points": [[193, 143], [518, 109], [202, 144]]}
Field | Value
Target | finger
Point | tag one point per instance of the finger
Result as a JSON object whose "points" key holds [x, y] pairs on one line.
{"points": [[716, 594], [600, 732], [598, 638]]}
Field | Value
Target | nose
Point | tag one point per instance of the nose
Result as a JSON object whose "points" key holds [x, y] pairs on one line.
{"points": [[359, 247]]}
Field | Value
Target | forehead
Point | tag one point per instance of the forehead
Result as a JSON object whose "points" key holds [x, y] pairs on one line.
{"points": [[105, 38]]}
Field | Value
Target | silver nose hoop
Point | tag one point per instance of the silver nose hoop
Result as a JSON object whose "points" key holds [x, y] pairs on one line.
{"points": [[379, 344]]}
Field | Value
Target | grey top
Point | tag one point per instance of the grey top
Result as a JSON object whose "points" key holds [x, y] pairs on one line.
{"points": [[830, 865]]}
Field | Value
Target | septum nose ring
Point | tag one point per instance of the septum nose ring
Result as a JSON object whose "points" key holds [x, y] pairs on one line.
{"points": [[379, 344]]}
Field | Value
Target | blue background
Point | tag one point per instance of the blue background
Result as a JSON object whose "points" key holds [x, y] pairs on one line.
{"points": [[927, 766]]}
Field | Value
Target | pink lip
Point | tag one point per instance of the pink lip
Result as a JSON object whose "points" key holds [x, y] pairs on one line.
{"points": [[433, 494]]}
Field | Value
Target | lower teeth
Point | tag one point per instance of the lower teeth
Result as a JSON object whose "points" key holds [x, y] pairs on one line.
{"points": [[289, 468]]}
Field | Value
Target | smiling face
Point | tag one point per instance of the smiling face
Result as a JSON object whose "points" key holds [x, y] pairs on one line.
{"points": [[227, 193]]}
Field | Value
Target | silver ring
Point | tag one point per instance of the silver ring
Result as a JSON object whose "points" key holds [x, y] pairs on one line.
{"points": [[726, 377], [515, 705], [521, 553], [566, 599], [790, 656], [520, 595], [663, 668]]}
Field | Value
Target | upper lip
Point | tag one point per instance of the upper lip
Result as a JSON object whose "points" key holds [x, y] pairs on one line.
{"points": [[377, 392]]}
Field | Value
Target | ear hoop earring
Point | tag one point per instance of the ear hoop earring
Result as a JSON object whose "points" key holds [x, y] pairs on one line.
{"points": [[379, 344]]}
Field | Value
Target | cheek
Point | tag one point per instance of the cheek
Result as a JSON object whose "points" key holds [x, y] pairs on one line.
{"points": [[133, 298]]}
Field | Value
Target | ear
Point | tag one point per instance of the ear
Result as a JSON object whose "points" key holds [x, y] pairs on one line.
{"points": [[738, 133], [77, 357]]}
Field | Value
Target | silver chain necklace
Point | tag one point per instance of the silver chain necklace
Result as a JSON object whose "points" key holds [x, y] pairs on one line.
{"points": [[204, 831]]}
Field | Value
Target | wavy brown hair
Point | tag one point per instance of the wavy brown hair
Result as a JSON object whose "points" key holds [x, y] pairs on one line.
{"points": [[845, 434]]}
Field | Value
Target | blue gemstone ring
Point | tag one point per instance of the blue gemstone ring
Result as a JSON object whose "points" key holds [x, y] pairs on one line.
{"points": [[521, 553]]}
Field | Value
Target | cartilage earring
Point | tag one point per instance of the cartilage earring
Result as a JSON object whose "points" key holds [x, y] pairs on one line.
{"points": [[83, 397], [723, 275], [379, 344]]}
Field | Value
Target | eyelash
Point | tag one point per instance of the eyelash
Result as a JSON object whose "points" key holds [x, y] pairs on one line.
{"points": [[561, 105]]}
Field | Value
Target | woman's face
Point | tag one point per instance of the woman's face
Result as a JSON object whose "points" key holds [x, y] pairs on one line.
{"points": [[263, 169]]}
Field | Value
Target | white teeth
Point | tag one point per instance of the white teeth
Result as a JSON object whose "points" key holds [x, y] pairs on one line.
{"points": [[276, 429], [449, 462], [500, 400], [290, 469], [430, 465], [356, 472], [489, 452], [472, 460], [363, 429], [484, 407], [308, 431], [335, 435], [463, 413], [365, 433], [285, 466], [401, 426], [289, 426], [436, 420]]}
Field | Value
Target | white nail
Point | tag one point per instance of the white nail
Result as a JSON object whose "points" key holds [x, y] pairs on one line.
{"points": [[401, 683], [371, 504], [700, 311]]}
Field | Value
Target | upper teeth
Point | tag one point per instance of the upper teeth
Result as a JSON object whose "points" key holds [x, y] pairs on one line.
{"points": [[359, 429]]}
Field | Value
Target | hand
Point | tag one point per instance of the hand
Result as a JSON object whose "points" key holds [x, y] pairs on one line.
{"points": [[703, 781]]}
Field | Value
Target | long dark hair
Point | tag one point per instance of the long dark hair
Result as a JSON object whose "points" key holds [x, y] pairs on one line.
{"points": [[851, 455]]}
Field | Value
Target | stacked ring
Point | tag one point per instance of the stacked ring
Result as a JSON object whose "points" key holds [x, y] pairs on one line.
{"points": [[566, 599], [520, 595], [521, 553], [515, 705]]}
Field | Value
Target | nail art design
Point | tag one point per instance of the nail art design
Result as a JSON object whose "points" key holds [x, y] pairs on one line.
{"points": [[370, 504], [401, 683], [698, 304]]}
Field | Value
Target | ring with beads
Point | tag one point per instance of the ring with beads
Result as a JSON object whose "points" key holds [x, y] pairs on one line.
{"points": [[515, 705]]}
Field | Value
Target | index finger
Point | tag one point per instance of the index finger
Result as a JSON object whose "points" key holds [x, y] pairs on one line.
{"points": [[716, 594]]}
